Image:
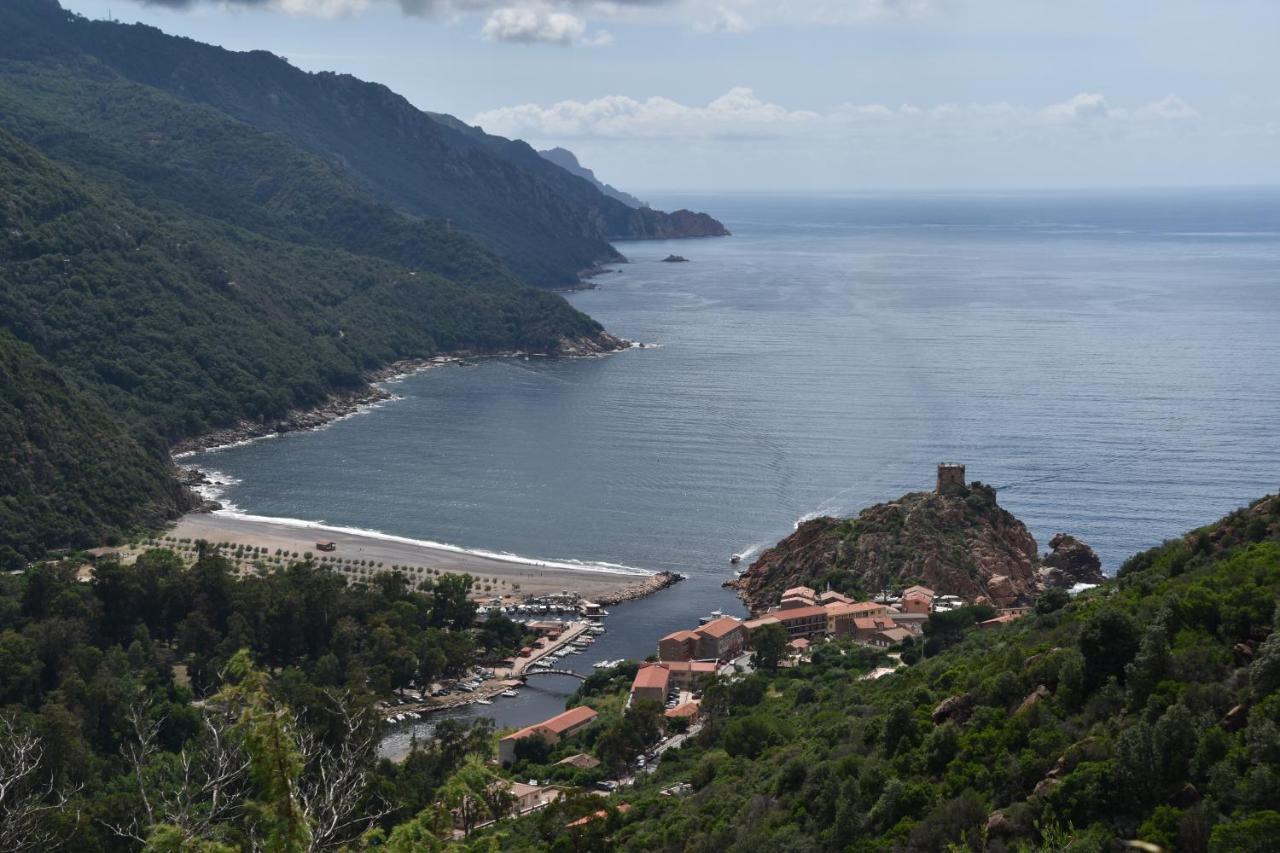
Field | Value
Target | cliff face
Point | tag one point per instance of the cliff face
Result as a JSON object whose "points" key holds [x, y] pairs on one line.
{"points": [[962, 543], [648, 224]]}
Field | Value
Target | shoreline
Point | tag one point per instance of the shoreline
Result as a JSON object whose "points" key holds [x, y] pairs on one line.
{"points": [[343, 404], [359, 554]]}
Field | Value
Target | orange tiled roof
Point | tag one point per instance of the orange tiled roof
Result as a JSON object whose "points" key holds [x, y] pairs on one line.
{"points": [[651, 676], [800, 613], [719, 627]]}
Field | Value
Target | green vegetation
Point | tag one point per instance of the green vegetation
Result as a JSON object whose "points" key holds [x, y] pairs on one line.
{"points": [[56, 437], [188, 707], [546, 223], [1148, 708], [172, 269]]}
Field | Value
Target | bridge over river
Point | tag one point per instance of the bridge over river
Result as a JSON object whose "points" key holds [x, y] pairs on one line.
{"points": [[545, 671]]}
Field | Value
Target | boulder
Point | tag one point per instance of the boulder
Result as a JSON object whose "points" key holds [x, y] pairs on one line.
{"points": [[952, 706], [998, 824], [1041, 692], [1074, 561], [1001, 591]]}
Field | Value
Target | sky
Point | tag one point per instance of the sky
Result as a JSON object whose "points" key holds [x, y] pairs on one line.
{"points": [[740, 95]]}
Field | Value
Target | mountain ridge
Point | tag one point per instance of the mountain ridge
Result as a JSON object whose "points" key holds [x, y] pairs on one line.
{"points": [[567, 160], [547, 224]]}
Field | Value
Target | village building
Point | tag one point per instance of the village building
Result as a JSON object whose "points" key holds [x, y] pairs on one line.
{"points": [[797, 596], [651, 682], [553, 731], [678, 645], [581, 760], [916, 599], [599, 814], [529, 797], [753, 625], [841, 616], [656, 680], [888, 637], [719, 639], [865, 628], [690, 674], [804, 622], [687, 710]]}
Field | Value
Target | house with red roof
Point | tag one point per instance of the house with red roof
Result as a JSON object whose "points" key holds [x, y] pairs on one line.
{"points": [[553, 731]]}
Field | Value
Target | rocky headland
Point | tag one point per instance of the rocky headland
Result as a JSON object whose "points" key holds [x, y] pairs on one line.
{"points": [[957, 541]]}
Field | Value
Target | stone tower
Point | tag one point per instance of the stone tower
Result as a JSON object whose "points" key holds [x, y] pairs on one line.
{"points": [[950, 477]]}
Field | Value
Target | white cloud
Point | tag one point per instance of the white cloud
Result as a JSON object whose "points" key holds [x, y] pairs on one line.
{"points": [[321, 8], [739, 113], [535, 24], [1081, 107], [724, 20], [1169, 107]]}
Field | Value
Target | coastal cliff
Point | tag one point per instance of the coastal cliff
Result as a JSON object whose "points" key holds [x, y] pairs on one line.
{"points": [[958, 542]]}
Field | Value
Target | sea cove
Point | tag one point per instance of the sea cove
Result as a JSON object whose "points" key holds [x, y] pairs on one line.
{"points": [[1081, 353]]}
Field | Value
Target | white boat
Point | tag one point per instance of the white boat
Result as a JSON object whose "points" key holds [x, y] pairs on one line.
{"points": [[484, 701], [509, 693], [735, 559]]}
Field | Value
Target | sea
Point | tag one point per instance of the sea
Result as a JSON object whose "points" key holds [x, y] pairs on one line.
{"points": [[1108, 361]]}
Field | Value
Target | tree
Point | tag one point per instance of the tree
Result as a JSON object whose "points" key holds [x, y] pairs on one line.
{"points": [[768, 646], [1052, 599], [1108, 641], [1255, 833], [475, 791], [29, 798], [1264, 672]]}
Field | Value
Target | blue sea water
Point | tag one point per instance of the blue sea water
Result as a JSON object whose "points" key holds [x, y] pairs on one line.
{"points": [[1108, 361]]}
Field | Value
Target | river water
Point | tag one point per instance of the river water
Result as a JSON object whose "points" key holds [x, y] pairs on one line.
{"points": [[1108, 361]]}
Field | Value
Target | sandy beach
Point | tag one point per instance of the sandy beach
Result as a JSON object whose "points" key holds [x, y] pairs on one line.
{"points": [[532, 579]]}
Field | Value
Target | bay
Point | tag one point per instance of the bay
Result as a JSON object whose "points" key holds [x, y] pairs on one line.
{"points": [[1106, 360]]}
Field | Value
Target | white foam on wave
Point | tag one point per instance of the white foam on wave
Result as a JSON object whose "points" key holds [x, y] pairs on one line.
{"points": [[809, 516], [500, 556], [215, 488]]}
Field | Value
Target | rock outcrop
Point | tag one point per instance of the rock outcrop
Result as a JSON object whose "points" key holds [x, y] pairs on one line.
{"points": [[1070, 562], [958, 542]]}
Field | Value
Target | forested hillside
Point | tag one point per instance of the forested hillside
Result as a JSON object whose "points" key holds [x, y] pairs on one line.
{"points": [[1148, 708], [56, 438], [136, 708], [547, 224], [191, 237], [174, 320]]}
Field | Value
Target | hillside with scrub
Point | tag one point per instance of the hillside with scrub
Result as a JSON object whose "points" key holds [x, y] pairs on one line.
{"points": [[1147, 708]]}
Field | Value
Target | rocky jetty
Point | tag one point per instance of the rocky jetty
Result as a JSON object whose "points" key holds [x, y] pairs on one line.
{"points": [[957, 541], [648, 586]]}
